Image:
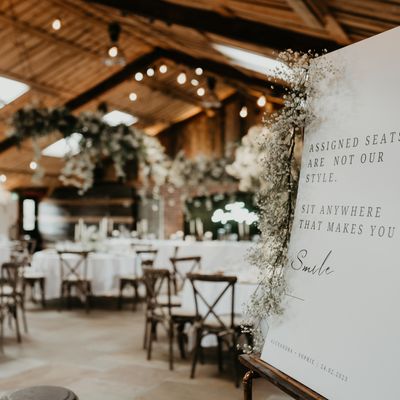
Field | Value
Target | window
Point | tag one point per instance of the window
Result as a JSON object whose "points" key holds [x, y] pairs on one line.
{"points": [[28, 215]]}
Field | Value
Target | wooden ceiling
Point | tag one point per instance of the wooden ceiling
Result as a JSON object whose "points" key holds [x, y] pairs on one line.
{"points": [[66, 67]]}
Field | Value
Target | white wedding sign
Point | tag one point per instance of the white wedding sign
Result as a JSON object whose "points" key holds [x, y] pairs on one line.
{"points": [[340, 334]]}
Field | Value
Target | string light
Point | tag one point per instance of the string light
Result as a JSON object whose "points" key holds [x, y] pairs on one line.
{"points": [[150, 72], [243, 112], [139, 76], [199, 71], [201, 92], [113, 51], [262, 101], [33, 165], [132, 96], [56, 24], [163, 69], [181, 79], [194, 82], [3, 178]]}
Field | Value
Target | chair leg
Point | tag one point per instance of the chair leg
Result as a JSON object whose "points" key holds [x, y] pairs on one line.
{"points": [[171, 345], [135, 296], [88, 295], [150, 340], [181, 339], [24, 321], [42, 285], [146, 331], [220, 355], [235, 359], [68, 295], [120, 297], [17, 330], [196, 352]]}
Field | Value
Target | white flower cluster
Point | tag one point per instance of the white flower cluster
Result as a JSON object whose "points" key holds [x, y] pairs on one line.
{"points": [[276, 199], [248, 164]]}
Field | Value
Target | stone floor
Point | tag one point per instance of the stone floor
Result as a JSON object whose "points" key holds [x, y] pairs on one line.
{"points": [[99, 356]]}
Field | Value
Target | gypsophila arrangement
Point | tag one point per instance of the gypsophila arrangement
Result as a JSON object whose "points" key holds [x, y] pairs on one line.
{"points": [[98, 141], [248, 164], [280, 172]]}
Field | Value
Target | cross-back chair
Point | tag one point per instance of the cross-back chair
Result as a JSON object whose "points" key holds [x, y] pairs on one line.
{"points": [[181, 267], [74, 274], [210, 322], [12, 296], [163, 308], [146, 258]]}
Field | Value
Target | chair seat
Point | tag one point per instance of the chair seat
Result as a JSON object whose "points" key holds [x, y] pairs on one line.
{"points": [[182, 313], [213, 325], [74, 279], [33, 275], [131, 278], [162, 300]]}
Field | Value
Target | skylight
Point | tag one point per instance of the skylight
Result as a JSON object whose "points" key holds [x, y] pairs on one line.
{"points": [[116, 117], [11, 90], [252, 61], [62, 147]]}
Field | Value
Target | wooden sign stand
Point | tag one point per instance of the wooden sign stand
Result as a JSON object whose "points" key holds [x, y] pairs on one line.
{"points": [[258, 368]]}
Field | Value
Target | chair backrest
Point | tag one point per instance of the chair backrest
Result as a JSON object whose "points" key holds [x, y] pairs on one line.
{"points": [[183, 266], [147, 257], [205, 308], [73, 265], [157, 281], [11, 275]]}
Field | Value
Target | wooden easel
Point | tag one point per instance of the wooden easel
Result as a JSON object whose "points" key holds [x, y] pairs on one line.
{"points": [[258, 368]]}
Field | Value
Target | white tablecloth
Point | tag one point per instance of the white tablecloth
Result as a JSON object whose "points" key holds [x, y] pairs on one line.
{"points": [[215, 255], [103, 269]]}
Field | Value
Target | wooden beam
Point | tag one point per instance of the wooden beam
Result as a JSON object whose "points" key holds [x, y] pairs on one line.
{"points": [[48, 37], [172, 91], [315, 14], [114, 80], [225, 72], [208, 21], [98, 89]]}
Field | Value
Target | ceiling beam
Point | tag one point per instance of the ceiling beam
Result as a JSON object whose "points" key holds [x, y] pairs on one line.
{"points": [[97, 90], [315, 14], [114, 80], [208, 21], [46, 36], [225, 72]]}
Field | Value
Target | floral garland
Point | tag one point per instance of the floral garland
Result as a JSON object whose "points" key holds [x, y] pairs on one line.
{"points": [[276, 199], [99, 140]]}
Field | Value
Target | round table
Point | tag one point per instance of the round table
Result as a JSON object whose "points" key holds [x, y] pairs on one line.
{"points": [[42, 393]]}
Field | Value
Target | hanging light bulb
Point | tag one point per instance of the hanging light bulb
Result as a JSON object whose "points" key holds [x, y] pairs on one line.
{"points": [[115, 55], [56, 24], [181, 79], [194, 82], [139, 76], [201, 92], [150, 72], [132, 96], [3, 178], [261, 101], [33, 165], [163, 69], [243, 112], [113, 51], [199, 71]]}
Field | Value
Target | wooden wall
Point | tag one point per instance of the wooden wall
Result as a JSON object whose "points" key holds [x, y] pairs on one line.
{"points": [[209, 132]]}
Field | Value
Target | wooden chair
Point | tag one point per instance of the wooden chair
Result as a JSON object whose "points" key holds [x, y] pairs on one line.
{"points": [[12, 296], [147, 258], [210, 322], [33, 279], [181, 267], [74, 275], [163, 308]]}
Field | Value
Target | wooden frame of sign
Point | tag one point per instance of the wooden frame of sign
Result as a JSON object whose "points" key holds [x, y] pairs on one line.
{"points": [[258, 368]]}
